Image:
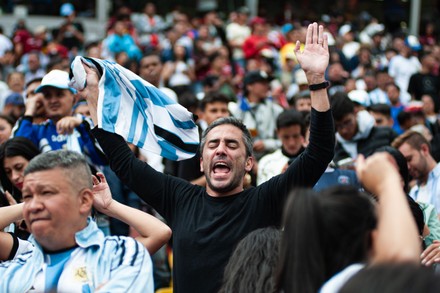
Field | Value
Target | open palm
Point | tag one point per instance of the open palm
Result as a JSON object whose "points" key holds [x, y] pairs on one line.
{"points": [[314, 58]]}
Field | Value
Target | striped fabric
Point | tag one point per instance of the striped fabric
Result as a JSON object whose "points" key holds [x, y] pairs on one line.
{"points": [[138, 111]]}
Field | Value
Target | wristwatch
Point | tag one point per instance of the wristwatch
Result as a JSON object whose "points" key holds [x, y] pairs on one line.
{"points": [[319, 86]]}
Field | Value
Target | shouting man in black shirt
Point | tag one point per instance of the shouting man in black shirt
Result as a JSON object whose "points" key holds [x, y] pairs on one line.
{"points": [[208, 222]]}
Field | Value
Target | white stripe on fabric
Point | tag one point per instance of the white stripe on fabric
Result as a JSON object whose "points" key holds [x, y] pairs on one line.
{"points": [[136, 110]]}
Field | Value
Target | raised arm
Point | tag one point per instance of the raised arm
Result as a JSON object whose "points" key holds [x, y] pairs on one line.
{"points": [[397, 239], [153, 233], [8, 215], [314, 60]]}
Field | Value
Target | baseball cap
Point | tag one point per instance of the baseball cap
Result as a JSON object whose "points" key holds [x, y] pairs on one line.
{"points": [[257, 20], [66, 9], [413, 42], [346, 28], [360, 97], [256, 76], [56, 78], [15, 99]]}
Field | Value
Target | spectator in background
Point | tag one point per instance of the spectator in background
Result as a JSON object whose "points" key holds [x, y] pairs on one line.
{"points": [[94, 50], [291, 131], [71, 31], [258, 112], [425, 82], [178, 74], [120, 41], [302, 101], [150, 27], [30, 94], [422, 167], [123, 13], [430, 109], [61, 130], [356, 133], [379, 95], [15, 155], [15, 82], [349, 45], [5, 43], [393, 93], [236, 33], [33, 67], [381, 114], [404, 65], [6, 124], [258, 40], [14, 106]]}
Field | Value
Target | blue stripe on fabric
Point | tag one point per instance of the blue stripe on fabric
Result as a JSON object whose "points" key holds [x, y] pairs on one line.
{"points": [[160, 99], [189, 124], [167, 150], [133, 123], [157, 97], [142, 105], [111, 102], [86, 288]]}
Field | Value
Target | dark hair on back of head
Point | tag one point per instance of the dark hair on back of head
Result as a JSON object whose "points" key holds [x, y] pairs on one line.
{"points": [[393, 278], [341, 105], [401, 163], [253, 262], [383, 109], [323, 233]]}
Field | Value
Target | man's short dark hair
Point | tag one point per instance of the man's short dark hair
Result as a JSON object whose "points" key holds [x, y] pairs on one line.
{"points": [[341, 105], [37, 79], [289, 118], [213, 97], [383, 109], [247, 138]]}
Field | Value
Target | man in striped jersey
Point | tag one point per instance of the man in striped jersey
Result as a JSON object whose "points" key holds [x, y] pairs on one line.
{"points": [[67, 252]]}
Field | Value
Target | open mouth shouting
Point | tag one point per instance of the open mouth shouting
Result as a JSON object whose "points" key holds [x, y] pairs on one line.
{"points": [[221, 169]]}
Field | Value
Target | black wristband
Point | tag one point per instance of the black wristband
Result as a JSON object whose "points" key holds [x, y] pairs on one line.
{"points": [[319, 86]]}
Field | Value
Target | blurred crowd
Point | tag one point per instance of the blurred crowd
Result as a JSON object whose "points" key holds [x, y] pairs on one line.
{"points": [[384, 91]]}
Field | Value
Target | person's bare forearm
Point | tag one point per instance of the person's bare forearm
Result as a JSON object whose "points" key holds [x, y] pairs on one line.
{"points": [[397, 237], [10, 214], [153, 232]]}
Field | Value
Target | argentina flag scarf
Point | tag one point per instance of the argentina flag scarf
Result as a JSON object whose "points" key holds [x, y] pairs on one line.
{"points": [[138, 111]]}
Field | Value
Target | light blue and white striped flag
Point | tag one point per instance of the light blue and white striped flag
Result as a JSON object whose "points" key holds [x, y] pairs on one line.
{"points": [[138, 111]]}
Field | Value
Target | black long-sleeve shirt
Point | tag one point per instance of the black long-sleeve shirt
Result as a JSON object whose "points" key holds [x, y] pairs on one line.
{"points": [[206, 229]]}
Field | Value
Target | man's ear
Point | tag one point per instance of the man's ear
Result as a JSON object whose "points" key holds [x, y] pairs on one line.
{"points": [[249, 164], [201, 164], [85, 198], [424, 148]]}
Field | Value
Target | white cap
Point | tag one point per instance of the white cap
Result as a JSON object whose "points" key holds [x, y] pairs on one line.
{"points": [[56, 78], [344, 29], [359, 96]]}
